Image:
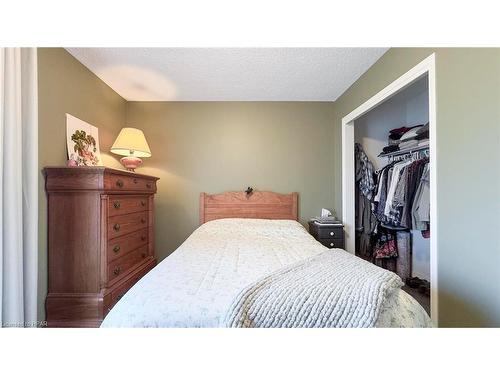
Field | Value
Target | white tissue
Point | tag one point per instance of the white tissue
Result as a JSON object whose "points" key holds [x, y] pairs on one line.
{"points": [[325, 212]]}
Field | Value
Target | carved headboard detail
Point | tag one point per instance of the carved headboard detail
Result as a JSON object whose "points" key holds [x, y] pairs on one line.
{"points": [[240, 204]]}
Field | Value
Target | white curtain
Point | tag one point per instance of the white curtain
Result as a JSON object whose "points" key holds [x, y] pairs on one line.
{"points": [[18, 187]]}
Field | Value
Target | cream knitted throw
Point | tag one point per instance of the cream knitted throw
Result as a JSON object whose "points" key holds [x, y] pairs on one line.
{"points": [[331, 289]]}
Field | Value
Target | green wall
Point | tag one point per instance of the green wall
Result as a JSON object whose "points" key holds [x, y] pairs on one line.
{"points": [[219, 146], [468, 168], [66, 86]]}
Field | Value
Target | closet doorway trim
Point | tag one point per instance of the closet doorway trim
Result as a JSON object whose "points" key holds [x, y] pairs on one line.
{"points": [[426, 67]]}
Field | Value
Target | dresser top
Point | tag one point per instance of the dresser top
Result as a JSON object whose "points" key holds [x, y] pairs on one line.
{"points": [[101, 179], [93, 170]]}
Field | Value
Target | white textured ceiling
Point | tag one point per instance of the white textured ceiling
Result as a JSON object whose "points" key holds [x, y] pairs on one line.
{"points": [[228, 74]]}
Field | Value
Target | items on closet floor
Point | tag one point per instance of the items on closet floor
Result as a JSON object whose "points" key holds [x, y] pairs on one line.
{"points": [[423, 299], [423, 286], [419, 289]]}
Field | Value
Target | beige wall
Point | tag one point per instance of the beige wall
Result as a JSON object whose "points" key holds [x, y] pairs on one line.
{"points": [[66, 86], [219, 146], [468, 167]]}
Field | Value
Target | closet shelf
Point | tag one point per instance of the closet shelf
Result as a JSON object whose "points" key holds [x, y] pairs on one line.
{"points": [[403, 152]]}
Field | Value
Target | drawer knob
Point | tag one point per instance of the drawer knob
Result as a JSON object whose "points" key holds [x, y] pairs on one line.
{"points": [[143, 238], [119, 183], [116, 227], [331, 234], [143, 220], [143, 203], [117, 271], [116, 204], [135, 180], [116, 248], [331, 244], [148, 185]]}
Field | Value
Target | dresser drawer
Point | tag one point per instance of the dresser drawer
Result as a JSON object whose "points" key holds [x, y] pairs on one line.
{"points": [[128, 183], [333, 244], [124, 224], [126, 204], [330, 233], [125, 263], [119, 292], [121, 289], [122, 245]]}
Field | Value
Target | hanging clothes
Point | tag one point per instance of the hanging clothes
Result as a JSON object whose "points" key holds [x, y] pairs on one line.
{"points": [[385, 245], [404, 260], [394, 194], [366, 222], [400, 201], [381, 195], [421, 203], [364, 172], [415, 171]]}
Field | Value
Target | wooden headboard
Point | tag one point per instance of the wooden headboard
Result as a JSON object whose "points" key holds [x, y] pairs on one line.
{"points": [[257, 205]]}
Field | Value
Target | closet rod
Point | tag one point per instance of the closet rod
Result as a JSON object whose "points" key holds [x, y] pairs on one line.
{"points": [[403, 152]]}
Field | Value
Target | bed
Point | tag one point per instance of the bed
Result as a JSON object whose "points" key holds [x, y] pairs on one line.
{"points": [[243, 238]]}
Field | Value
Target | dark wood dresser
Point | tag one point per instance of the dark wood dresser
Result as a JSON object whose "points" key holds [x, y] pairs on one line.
{"points": [[330, 235], [100, 240]]}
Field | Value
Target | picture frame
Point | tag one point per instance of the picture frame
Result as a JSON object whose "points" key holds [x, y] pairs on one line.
{"points": [[82, 141]]}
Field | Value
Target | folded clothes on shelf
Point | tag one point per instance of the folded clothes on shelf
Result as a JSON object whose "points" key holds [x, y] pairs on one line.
{"points": [[393, 142], [424, 135], [423, 129], [390, 148], [405, 138], [424, 142], [400, 131], [411, 134], [408, 144]]}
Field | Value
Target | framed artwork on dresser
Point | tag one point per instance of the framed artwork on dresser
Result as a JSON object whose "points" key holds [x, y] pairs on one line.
{"points": [[82, 141]]}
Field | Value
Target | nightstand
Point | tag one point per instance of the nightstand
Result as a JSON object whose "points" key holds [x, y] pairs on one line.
{"points": [[330, 235]]}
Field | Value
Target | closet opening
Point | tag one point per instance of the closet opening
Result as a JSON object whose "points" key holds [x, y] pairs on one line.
{"points": [[389, 182], [392, 198]]}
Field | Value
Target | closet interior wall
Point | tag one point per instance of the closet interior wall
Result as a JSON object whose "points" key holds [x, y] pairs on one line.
{"points": [[407, 108]]}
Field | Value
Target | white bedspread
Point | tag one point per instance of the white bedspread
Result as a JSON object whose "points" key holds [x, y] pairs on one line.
{"points": [[196, 284]]}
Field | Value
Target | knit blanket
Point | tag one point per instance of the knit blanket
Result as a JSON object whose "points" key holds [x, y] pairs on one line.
{"points": [[331, 289]]}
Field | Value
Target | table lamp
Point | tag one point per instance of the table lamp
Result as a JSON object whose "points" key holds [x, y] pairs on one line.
{"points": [[132, 145]]}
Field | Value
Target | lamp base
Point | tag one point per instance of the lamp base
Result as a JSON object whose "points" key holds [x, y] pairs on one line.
{"points": [[131, 162]]}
